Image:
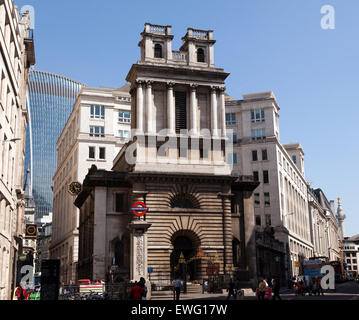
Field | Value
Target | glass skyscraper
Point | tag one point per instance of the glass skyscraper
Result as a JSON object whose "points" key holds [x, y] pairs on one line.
{"points": [[50, 100]]}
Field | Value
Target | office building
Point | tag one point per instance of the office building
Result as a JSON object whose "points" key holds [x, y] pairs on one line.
{"points": [[50, 102], [96, 130], [17, 55]]}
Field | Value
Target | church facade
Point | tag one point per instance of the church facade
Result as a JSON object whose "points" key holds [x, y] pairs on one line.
{"points": [[200, 218]]}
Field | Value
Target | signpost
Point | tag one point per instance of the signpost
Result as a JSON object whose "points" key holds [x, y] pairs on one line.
{"points": [[139, 209], [312, 268]]}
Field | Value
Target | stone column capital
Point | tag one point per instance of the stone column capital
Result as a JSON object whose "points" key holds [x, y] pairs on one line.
{"points": [[222, 89], [193, 86], [139, 83], [214, 89], [149, 83], [170, 85]]}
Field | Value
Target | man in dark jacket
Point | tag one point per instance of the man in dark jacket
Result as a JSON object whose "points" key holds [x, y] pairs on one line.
{"points": [[231, 287], [276, 289]]}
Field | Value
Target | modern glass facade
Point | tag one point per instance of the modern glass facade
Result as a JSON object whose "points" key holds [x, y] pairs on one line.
{"points": [[50, 100]]}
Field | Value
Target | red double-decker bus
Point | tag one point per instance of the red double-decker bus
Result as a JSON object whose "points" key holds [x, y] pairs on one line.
{"points": [[339, 272]]}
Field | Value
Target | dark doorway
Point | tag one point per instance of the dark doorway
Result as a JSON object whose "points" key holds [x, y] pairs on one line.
{"points": [[183, 245]]}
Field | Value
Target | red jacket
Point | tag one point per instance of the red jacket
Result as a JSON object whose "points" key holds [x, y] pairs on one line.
{"points": [[18, 293], [136, 292]]}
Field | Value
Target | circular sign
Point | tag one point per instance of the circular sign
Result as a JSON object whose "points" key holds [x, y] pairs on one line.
{"points": [[139, 209]]}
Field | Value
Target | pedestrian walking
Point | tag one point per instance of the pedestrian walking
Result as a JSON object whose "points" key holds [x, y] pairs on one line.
{"points": [[71, 287], [142, 284], [178, 286], [237, 290], [231, 289], [261, 289], [136, 292], [276, 289], [20, 292], [320, 289]]}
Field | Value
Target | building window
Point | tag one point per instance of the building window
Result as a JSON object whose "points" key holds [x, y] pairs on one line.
{"points": [[97, 131], [232, 137], [258, 134], [235, 160], [256, 175], [268, 220], [124, 134], [264, 155], [231, 119], [91, 152], [97, 112], [254, 155], [348, 261], [354, 261], [355, 268], [181, 111], [294, 158], [258, 221], [103, 153], [265, 177], [158, 51], [257, 116], [266, 199], [200, 55], [232, 158], [119, 202], [124, 116], [257, 200]]}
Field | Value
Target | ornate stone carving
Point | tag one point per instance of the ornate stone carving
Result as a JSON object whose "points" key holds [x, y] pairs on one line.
{"points": [[170, 85], [139, 83], [149, 83], [193, 86], [139, 253], [214, 88]]}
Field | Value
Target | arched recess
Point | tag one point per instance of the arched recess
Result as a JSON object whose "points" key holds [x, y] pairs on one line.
{"points": [[185, 244], [184, 201]]}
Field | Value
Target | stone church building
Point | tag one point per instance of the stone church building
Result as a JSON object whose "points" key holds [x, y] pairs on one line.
{"points": [[200, 218]]}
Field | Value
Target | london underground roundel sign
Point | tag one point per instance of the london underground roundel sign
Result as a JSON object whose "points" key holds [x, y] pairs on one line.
{"points": [[139, 209]]}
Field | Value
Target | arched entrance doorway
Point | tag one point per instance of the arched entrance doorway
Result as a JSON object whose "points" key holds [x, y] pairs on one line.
{"points": [[183, 262]]}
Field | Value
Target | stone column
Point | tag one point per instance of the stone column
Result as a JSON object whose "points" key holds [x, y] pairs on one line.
{"points": [[171, 112], [227, 232], [249, 236], [100, 239], [139, 107], [150, 123], [139, 267], [193, 109], [222, 104], [214, 115]]}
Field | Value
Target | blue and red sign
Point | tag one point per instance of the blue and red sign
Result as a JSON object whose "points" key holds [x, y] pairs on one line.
{"points": [[139, 209]]}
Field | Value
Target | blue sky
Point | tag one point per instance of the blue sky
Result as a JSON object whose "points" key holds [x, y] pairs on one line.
{"points": [[276, 45]]}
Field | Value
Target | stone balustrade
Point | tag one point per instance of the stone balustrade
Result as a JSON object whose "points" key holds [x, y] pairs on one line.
{"points": [[180, 56], [158, 29], [200, 34]]}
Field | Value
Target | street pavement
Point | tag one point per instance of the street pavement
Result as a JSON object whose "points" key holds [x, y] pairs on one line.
{"points": [[344, 291]]}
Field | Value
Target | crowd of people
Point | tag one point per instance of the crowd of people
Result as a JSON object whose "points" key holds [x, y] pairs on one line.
{"points": [[307, 285]]}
